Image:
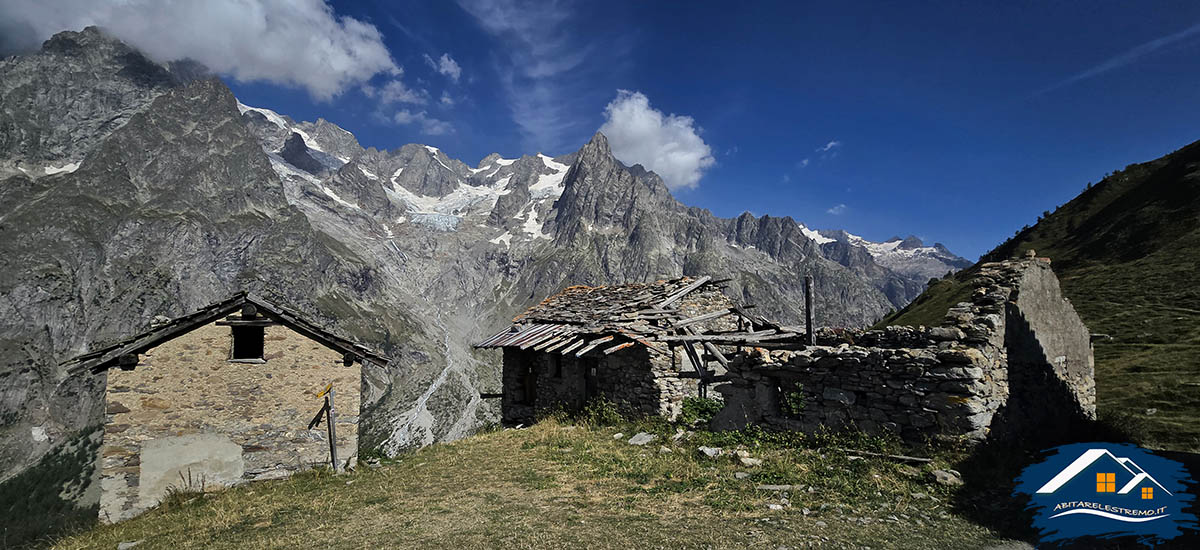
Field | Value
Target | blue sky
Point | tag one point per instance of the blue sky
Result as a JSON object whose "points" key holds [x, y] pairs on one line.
{"points": [[958, 122]]}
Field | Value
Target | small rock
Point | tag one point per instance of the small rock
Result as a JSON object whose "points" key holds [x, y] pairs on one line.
{"points": [[741, 475], [373, 463], [751, 462], [127, 545], [774, 487], [948, 477], [1151, 411], [773, 506], [642, 438], [664, 450], [742, 453], [820, 523], [618, 435], [805, 511], [919, 496], [710, 452]]}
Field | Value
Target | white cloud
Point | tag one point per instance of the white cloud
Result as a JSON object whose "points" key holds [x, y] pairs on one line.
{"points": [[837, 209], [429, 126], [802, 164], [667, 144], [300, 43], [447, 100], [1129, 56], [829, 146], [395, 91], [540, 61], [446, 65]]}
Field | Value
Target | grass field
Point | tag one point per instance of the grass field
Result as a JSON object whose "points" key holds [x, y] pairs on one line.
{"points": [[560, 484]]}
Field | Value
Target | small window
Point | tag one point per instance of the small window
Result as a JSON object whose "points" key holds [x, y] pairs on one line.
{"points": [[248, 343], [1147, 493], [557, 365], [1106, 483]]}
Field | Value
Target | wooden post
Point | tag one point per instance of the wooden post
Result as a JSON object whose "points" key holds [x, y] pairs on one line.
{"points": [[332, 431], [808, 310]]}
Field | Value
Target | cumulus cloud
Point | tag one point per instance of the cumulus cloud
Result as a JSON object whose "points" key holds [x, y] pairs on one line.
{"points": [[395, 91], [667, 144], [300, 43], [429, 126], [446, 65], [836, 209]]}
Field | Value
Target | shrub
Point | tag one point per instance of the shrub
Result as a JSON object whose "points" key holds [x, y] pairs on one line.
{"points": [[794, 400], [699, 410]]}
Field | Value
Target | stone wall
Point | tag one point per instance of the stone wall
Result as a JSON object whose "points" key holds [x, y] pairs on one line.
{"points": [[637, 380], [185, 409], [1014, 358]]}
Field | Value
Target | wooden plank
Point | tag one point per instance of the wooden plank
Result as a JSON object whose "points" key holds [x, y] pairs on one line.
{"points": [[556, 340], [572, 347], [683, 291], [901, 458], [618, 347], [592, 345], [695, 359], [567, 339], [701, 318]]}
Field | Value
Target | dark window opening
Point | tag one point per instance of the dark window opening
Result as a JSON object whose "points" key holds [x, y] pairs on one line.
{"points": [[557, 366], [248, 342], [529, 385]]}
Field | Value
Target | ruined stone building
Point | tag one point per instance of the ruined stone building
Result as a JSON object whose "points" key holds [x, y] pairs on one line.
{"points": [[612, 341], [218, 397], [1013, 361]]}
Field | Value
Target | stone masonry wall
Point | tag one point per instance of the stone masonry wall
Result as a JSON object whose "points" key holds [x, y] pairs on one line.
{"points": [[186, 409], [1014, 358]]}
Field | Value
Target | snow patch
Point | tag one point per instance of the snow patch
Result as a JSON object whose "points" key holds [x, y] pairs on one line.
{"points": [[369, 174], [338, 199], [532, 227], [549, 162], [505, 239], [815, 236], [64, 169], [505, 162]]}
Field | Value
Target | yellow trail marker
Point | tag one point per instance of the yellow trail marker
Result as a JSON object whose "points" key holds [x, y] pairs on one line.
{"points": [[325, 391]]}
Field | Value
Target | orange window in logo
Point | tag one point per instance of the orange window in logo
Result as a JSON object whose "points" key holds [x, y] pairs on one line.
{"points": [[1147, 493], [1106, 483]]}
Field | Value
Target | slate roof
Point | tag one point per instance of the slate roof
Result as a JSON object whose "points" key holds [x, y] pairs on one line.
{"points": [[106, 357], [607, 319]]}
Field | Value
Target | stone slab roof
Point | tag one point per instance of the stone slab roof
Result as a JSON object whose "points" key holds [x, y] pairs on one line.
{"points": [[108, 356]]}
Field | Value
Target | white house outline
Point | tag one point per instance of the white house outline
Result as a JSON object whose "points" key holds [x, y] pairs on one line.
{"points": [[1090, 456]]}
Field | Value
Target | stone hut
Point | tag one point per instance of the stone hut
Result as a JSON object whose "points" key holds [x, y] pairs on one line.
{"points": [[1013, 361], [219, 397], [643, 346]]}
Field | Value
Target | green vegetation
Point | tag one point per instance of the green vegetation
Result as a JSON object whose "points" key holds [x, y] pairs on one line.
{"points": [[32, 504], [572, 484], [699, 410], [1126, 251], [793, 401]]}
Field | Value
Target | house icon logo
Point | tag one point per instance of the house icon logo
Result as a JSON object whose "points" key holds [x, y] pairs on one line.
{"points": [[1107, 490]]}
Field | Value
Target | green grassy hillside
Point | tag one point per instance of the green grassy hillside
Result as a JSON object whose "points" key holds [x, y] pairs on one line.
{"points": [[563, 485], [1127, 251]]}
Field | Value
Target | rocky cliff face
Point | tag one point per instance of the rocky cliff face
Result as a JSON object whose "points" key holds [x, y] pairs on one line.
{"points": [[175, 195]]}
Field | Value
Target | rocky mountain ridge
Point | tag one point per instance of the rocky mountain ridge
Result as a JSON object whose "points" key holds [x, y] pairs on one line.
{"points": [[154, 193]]}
